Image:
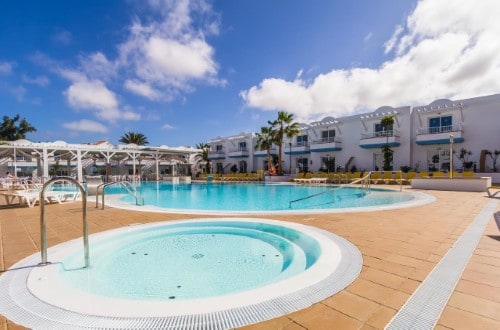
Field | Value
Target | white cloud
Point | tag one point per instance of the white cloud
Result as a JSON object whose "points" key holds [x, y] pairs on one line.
{"points": [[93, 95], [5, 68], [389, 44], [97, 66], [167, 127], [171, 55], [445, 52], [141, 89], [41, 81], [86, 125], [179, 61]]}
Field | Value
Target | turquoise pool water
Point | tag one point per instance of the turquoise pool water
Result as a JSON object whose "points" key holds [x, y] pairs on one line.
{"points": [[191, 260], [258, 197]]}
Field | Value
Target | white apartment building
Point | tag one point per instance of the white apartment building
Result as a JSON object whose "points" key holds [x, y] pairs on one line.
{"points": [[420, 139]]}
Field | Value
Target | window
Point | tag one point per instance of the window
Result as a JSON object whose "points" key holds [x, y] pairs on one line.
{"points": [[219, 168], [438, 159], [328, 136], [303, 164], [440, 124], [327, 164], [380, 130], [302, 140], [242, 165], [218, 148], [242, 146]]}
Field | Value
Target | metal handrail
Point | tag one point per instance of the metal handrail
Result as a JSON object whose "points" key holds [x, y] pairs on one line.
{"points": [[125, 184], [334, 189], [43, 226]]}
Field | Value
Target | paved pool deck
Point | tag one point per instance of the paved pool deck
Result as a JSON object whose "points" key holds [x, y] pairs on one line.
{"points": [[400, 249]]}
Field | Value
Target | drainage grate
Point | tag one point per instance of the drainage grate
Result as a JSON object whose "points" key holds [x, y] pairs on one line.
{"points": [[423, 309]]}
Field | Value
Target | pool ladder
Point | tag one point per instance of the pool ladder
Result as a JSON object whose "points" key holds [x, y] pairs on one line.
{"points": [[364, 181], [43, 225], [125, 184]]}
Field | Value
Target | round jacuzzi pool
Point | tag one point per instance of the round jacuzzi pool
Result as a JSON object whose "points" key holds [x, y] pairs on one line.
{"points": [[219, 273]]}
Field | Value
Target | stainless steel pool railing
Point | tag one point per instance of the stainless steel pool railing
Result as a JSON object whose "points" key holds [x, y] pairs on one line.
{"points": [[43, 225], [125, 184], [365, 184]]}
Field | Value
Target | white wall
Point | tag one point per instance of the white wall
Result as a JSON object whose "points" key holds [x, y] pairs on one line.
{"points": [[480, 118]]}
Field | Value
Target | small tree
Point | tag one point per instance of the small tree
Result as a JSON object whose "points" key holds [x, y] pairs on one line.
{"points": [[283, 126], [388, 153], [55, 169], [463, 156], [11, 131], [494, 156], [264, 142], [203, 155]]}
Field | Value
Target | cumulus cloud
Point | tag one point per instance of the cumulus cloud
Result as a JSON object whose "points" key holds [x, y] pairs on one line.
{"points": [[443, 51], [86, 125], [41, 81], [171, 55], [93, 95], [389, 44], [142, 89], [98, 66]]}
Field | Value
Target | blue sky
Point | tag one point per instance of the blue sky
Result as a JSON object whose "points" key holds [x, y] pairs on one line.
{"points": [[183, 72]]}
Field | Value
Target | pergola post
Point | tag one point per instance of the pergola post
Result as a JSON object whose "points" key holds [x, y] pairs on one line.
{"points": [[45, 156], [79, 165]]}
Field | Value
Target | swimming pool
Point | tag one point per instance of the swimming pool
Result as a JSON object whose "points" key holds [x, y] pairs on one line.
{"points": [[301, 265], [255, 198]]}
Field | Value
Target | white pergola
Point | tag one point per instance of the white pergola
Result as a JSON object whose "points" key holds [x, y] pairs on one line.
{"points": [[44, 152]]}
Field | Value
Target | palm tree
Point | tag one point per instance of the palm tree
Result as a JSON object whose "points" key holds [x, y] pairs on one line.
{"points": [[387, 123], [135, 138], [203, 155], [283, 127], [265, 141], [11, 131]]}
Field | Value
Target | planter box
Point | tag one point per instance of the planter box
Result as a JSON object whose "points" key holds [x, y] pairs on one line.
{"points": [[277, 178], [456, 184]]}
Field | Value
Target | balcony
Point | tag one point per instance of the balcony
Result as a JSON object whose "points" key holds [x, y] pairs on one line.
{"points": [[379, 139], [298, 148], [238, 153], [217, 155], [326, 144], [263, 153], [439, 135]]}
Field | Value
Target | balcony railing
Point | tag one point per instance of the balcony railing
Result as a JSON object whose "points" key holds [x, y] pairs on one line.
{"points": [[216, 154], [379, 139], [439, 129], [301, 144], [260, 152], [326, 140], [440, 134], [244, 149], [238, 152], [373, 135]]}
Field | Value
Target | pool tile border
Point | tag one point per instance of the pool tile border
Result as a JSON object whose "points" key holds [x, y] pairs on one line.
{"points": [[35, 313]]}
